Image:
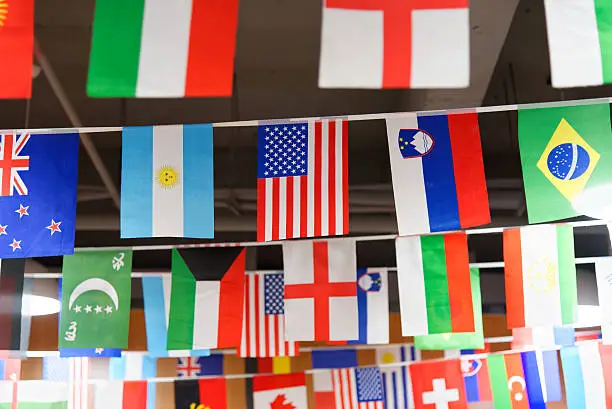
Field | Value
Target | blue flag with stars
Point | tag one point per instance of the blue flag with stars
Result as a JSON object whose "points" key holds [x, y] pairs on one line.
{"points": [[38, 180]]}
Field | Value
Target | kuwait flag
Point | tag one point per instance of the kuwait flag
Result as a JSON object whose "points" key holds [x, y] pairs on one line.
{"points": [[579, 30], [207, 296], [540, 276], [434, 284], [160, 49], [437, 171]]}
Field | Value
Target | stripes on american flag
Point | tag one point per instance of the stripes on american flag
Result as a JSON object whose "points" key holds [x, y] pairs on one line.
{"points": [[302, 180], [357, 388], [263, 326], [78, 387]]}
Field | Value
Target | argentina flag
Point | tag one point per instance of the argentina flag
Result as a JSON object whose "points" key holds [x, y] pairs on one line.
{"points": [[396, 379]]}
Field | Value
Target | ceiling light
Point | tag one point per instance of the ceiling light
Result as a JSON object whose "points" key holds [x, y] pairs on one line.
{"points": [[588, 316], [34, 305]]}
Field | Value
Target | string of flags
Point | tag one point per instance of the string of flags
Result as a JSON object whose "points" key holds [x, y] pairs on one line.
{"points": [[397, 46]]}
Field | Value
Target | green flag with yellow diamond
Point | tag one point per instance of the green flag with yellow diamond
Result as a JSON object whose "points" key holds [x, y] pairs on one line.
{"points": [[564, 152]]}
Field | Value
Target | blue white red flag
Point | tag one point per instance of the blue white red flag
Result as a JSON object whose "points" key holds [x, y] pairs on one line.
{"points": [[542, 377], [373, 306], [38, 179], [438, 173]]}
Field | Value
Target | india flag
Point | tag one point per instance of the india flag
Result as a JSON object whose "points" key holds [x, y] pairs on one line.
{"points": [[434, 284], [579, 40], [540, 274], [160, 49]]}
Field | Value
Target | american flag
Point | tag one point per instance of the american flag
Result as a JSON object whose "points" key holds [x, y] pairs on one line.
{"points": [[357, 388], [11, 162], [263, 326], [302, 180]]}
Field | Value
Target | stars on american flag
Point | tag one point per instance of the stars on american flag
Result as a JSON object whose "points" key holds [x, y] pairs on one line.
{"points": [[285, 150]]}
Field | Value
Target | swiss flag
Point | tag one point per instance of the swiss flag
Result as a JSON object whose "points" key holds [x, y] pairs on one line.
{"points": [[438, 384], [280, 392], [321, 291]]}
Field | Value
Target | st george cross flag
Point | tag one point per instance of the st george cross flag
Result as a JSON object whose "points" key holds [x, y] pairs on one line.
{"points": [[438, 384], [207, 296], [263, 325], [302, 180], [11, 294], [161, 49], [540, 276], [395, 44], [16, 48], [579, 31], [434, 284], [373, 306], [396, 378], [167, 181], [438, 173], [37, 193], [320, 290], [280, 391]]}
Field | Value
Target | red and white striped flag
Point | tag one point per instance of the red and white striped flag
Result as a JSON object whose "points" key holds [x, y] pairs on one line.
{"points": [[302, 180], [357, 388], [263, 326], [78, 387]]}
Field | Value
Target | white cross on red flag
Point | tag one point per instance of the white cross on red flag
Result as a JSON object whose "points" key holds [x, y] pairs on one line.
{"points": [[438, 385], [320, 291]]}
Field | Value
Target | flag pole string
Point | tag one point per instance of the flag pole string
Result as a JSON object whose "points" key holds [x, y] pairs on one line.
{"points": [[355, 117], [484, 265], [318, 370], [485, 230]]}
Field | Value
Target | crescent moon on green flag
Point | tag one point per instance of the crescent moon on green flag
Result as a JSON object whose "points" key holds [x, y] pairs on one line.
{"points": [[94, 284]]}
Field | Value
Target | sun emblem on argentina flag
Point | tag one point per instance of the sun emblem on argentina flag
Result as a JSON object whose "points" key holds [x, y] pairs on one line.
{"points": [[568, 161], [3, 12], [167, 177]]}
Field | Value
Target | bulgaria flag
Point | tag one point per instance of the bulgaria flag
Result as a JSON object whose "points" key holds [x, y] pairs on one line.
{"points": [[579, 40], [207, 296], [434, 284], [540, 275], [159, 49]]}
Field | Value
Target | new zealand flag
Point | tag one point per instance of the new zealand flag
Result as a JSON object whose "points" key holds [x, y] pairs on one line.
{"points": [[38, 180]]}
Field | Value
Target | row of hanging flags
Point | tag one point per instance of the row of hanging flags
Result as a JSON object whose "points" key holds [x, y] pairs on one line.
{"points": [[186, 49], [576, 373], [167, 187], [209, 301]]}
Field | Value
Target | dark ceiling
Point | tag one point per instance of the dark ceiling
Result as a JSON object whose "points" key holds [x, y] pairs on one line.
{"points": [[275, 77]]}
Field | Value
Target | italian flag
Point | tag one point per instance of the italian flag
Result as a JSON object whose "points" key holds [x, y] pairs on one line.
{"points": [[160, 48], [434, 284], [540, 274], [579, 42]]}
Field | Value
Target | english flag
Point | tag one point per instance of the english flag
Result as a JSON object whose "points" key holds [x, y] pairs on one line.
{"points": [[320, 291], [302, 180], [280, 392], [395, 44], [438, 384], [263, 325]]}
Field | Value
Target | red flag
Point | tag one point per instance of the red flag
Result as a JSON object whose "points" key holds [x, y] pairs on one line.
{"points": [[302, 180], [320, 290], [16, 48], [280, 392], [438, 383]]}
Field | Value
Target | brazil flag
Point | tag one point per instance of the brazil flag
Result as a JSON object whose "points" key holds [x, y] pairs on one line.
{"points": [[563, 152]]}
